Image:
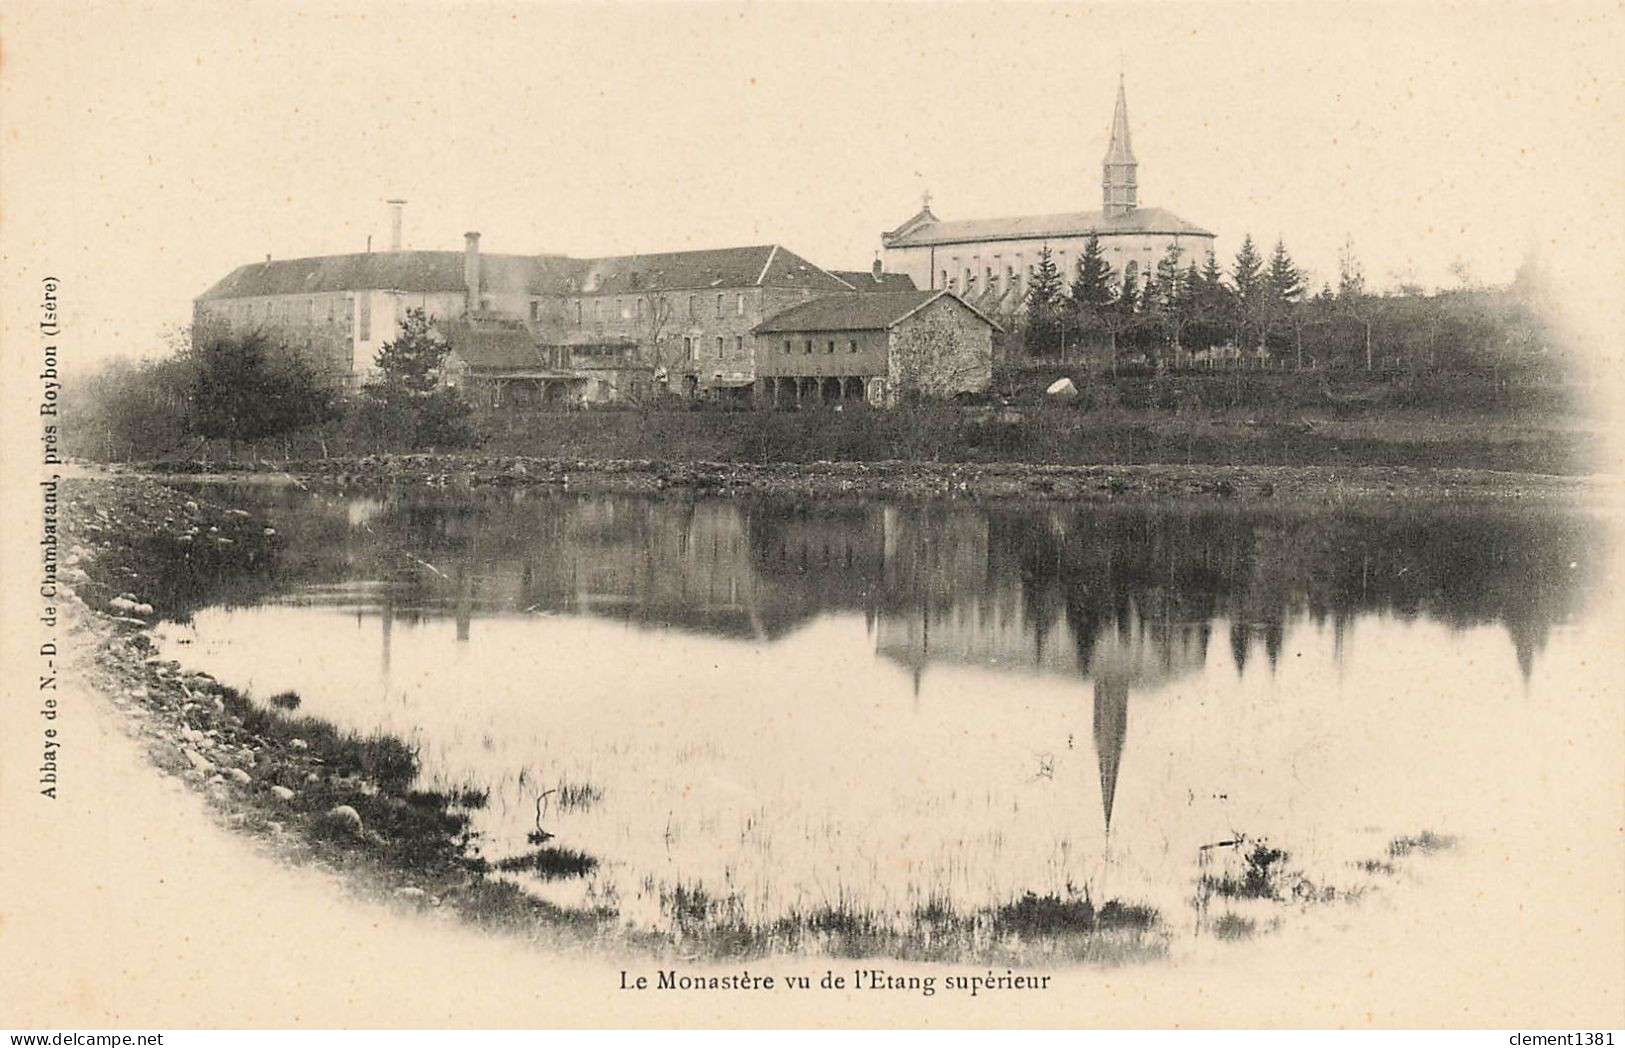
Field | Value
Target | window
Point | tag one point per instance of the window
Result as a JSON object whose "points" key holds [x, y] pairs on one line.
{"points": [[739, 306], [787, 347], [719, 305], [808, 348], [719, 347], [852, 346], [688, 347], [578, 311], [739, 345], [535, 310], [989, 278], [598, 309], [944, 282], [640, 309], [970, 281], [831, 346]]}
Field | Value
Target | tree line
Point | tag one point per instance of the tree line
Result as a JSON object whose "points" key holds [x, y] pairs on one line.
{"points": [[245, 387], [1259, 313]]}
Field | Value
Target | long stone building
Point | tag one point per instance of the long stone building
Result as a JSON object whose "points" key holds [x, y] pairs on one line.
{"points": [[988, 261], [550, 329]]}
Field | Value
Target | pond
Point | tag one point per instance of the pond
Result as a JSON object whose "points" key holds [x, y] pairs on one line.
{"points": [[814, 715]]}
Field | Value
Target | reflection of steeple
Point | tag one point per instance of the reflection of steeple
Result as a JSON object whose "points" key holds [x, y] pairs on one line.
{"points": [[1111, 727], [1528, 640]]}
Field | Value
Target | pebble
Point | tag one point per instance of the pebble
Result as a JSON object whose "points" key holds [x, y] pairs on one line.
{"points": [[299, 744], [240, 777], [197, 760], [282, 793], [345, 816]]}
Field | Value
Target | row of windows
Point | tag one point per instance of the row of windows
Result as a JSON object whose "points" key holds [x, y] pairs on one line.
{"points": [[638, 307], [288, 309], [829, 347], [967, 280], [693, 344]]}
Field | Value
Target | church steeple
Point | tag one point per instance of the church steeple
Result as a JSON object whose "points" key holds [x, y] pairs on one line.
{"points": [[1119, 180]]}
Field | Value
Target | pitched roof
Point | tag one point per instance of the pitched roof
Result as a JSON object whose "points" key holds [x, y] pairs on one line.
{"points": [[763, 265], [766, 265], [856, 311], [413, 271], [866, 280], [496, 347], [1035, 227], [509, 346]]}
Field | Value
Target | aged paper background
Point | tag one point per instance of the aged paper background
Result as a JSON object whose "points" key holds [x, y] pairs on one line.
{"points": [[123, 905]]}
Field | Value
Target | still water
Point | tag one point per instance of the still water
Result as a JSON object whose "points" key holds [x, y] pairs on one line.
{"points": [[883, 707]]}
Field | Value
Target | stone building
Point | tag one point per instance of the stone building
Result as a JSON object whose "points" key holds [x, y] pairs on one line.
{"points": [[690, 312], [988, 261], [536, 328], [878, 347]]}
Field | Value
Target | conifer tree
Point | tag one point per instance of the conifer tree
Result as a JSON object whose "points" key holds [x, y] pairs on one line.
{"points": [[1044, 302], [1283, 288], [1092, 286], [1128, 300], [406, 404], [1170, 277], [1247, 280], [1284, 280]]}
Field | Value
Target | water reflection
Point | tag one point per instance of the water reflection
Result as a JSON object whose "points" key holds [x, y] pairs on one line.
{"points": [[737, 707]]}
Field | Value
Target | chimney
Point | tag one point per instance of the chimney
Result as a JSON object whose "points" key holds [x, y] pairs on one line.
{"points": [[471, 269], [395, 223], [877, 269]]}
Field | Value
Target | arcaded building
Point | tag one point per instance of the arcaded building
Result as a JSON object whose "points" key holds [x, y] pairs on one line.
{"points": [[988, 261], [876, 347]]}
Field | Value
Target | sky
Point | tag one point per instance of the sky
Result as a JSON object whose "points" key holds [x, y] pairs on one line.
{"points": [[150, 149]]}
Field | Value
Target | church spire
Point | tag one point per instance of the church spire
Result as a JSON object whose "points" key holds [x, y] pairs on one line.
{"points": [[1119, 181]]}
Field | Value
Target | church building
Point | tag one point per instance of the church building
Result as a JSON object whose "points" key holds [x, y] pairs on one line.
{"points": [[988, 261]]}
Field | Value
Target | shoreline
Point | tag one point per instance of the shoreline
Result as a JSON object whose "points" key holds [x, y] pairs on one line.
{"points": [[1280, 484], [309, 794]]}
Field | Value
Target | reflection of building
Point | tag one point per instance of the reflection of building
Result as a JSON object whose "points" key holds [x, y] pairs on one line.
{"points": [[1123, 597], [997, 632], [987, 261]]}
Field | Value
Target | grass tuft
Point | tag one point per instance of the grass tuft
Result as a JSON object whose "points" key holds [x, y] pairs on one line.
{"points": [[551, 863]]}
